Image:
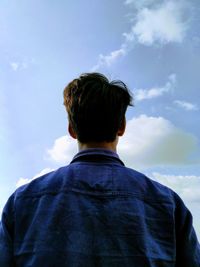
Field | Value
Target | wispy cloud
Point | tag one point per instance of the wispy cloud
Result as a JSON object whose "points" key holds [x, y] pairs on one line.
{"points": [[141, 4], [14, 66], [186, 105], [142, 94], [22, 64], [109, 59], [153, 23]]}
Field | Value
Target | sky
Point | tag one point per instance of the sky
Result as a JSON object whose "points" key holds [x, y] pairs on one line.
{"points": [[151, 45]]}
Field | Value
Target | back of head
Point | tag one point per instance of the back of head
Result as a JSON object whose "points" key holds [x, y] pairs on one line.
{"points": [[96, 107]]}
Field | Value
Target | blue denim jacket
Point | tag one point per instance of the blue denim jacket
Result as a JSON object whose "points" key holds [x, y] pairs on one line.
{"points": [[96, 212]]}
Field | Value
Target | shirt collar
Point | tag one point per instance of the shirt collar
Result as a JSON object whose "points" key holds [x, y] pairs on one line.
{"points": [[96, 154]]}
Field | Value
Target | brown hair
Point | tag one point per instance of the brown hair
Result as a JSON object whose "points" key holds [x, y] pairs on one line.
{"points": [[96, 107]]}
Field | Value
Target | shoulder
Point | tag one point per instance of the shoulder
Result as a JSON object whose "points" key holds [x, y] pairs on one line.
{"points": [[47, 183], [147, 186]]}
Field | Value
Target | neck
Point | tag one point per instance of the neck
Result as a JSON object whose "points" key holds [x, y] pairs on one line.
{"points": [[107, 145]]}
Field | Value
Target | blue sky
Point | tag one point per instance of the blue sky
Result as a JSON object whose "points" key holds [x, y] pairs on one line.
{"points": [[152, 45]]}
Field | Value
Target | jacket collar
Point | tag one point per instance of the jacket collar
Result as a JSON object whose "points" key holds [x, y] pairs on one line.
{"points": [[96, 155]]}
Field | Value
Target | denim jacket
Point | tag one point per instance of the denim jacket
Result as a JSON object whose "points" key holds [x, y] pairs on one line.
{"points": [[96, 212]]}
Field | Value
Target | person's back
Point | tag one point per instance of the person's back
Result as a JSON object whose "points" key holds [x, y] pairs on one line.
{"points": [[95, 211]]}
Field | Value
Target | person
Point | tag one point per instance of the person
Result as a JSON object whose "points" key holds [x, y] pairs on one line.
{"points": [[96, 211]]}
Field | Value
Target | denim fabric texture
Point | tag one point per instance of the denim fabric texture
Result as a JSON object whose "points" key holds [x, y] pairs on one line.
{"points": [[96, 212]]}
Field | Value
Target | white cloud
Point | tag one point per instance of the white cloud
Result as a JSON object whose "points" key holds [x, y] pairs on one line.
{"points": [[142, 94], [63, 150], [186, 105], [163, 24], [151, 141], [188, 186], [23, 181]]}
